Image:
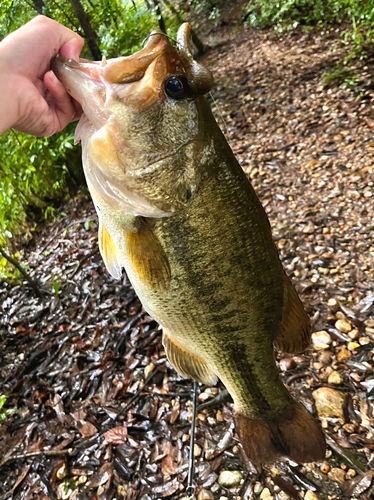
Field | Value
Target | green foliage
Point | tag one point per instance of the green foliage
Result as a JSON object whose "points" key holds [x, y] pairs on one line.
{"points": [[292, 13], [5, 413], [35, 173]]}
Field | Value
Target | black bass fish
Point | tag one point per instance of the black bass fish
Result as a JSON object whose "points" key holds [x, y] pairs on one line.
{"points": [[178, 213]]}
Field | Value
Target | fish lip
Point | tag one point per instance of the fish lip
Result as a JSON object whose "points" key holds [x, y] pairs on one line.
{"points": [[90, 70]]}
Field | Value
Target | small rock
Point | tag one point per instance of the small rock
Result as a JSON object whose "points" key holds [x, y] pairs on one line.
{"points": [[350, 474], [329, 402], [353, 334], [349, 428], [356, 377], [364, 340], [333, 303], [205, 495], [343, 355], [335, 378], [197, 450], [341, 315], [324, 357], [257, 488], [212, 422], [324, 468], [321, 340], [122, 490], [266, 495], [309, 495], [343, 326], [309, 228], [353, 345], [286, 364], [82, 479], [337, 475], [283, 496], [230, 478]]}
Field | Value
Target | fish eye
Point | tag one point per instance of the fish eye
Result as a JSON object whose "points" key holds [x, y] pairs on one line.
{"points": [[176, 87]]}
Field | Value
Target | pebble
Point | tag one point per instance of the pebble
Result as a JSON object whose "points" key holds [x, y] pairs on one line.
{"points": [[266, 495], [353, 345], [309, 495], [353, 334], [197, 450], [321, 340], [333, 303], [329, 402], [343, 355], [205, 495], [257, 488], [350, 474], [282, 496], [343, 326], [324, 357], [309, 228], [286, 364], [364, 340], [349, 428], [335, 378], [337, 475], [230, 478], [324, 468]]}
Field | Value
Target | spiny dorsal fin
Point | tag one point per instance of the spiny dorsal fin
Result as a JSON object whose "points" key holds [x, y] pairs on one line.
{"points": [[147, 257], [187, 364], [294, 335], [109, 252]]}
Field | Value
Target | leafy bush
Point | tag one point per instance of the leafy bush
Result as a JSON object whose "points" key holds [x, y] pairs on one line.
{"points": [[34, 173]]}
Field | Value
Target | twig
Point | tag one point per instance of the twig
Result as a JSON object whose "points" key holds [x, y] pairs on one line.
{"points": [[134, 398], [48, 453], [219, 400], [347, 455], [64, 229], [26, 275]]}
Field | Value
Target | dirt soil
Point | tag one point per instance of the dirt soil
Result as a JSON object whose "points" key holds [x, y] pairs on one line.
{"points": [[87, 358]]}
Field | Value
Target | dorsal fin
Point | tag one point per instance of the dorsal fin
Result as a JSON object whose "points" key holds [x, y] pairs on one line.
{"points": [[294, 335]]}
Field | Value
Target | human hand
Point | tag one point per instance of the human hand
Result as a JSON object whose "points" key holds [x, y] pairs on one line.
{"points": [[32, 99]]}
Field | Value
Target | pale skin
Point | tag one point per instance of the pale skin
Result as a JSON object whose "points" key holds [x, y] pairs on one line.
{"points": [[32, 99]]}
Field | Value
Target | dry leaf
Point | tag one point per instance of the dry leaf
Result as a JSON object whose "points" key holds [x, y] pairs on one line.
{"points": [[117, 435], [86, 429]]}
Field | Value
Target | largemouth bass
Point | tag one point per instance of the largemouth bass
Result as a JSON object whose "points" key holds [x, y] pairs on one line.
{"points": [[177, 212]]}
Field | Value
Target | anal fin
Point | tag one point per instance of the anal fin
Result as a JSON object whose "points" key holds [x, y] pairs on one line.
{"points": [[187, 364], [294, 335], [147, 257], [109, 252]]}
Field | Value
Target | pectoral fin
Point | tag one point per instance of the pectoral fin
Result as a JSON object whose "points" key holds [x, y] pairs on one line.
{"points": [[109, 252], [187, 364], [294, 335], [147, 257]]}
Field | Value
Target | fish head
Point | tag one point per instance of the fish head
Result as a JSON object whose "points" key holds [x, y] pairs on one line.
{"points": [[143, 127]]}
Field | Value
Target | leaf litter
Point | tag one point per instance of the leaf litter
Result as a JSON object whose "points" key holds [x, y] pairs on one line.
{"points": [[101, 414]]}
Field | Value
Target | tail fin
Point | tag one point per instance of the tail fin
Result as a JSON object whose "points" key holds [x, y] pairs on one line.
{"points": [[295, 434]]}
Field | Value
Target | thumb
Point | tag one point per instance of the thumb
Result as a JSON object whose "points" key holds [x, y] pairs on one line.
{"points": [[72, 48]]}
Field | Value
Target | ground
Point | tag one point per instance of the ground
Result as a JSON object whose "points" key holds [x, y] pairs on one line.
{"points": [[87, 358]]}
